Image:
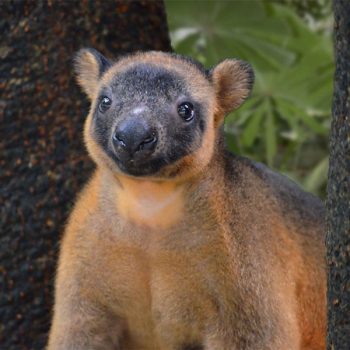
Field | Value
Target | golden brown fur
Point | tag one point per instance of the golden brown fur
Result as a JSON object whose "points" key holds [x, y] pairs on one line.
{"points": [[225, 254]]}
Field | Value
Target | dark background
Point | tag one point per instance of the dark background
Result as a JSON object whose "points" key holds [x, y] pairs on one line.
{"points": [[43, 163]]}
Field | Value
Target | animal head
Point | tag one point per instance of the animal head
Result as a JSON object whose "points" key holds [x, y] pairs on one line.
{"points": [[155, 114]]}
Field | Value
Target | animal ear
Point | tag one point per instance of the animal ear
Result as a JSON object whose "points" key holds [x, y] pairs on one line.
{"points": [[233, 81], [89, 66]]}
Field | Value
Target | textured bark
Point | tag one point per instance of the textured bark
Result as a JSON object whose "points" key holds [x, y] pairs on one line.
{"points": [[338, 202], [43, 163]]}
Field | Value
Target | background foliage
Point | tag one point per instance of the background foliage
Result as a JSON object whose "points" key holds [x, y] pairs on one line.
{"points": [[286, 121]]}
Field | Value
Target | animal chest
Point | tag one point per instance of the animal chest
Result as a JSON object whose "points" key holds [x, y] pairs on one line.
{"points": [[168, 293]]}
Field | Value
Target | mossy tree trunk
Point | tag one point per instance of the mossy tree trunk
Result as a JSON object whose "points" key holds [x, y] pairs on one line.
{"points": [[338, 202], [43, 163]]}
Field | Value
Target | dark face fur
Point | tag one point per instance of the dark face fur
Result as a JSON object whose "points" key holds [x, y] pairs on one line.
{"points": [[152, 114], [152, 120]]}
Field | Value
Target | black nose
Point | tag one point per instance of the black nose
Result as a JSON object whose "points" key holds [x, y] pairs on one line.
{"points": [[134, 137]]}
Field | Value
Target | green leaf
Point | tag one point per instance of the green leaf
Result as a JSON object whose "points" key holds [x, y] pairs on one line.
{"points": [[317, 177], [232, 142], [292, 114], [251, 129], [270, 136]]}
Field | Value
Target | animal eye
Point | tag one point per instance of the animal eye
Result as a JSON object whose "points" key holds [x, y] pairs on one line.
{"points": [[185, 111], [104, 104]]}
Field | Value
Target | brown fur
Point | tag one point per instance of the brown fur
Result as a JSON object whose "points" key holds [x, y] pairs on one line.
{"points": [[215, 252]]}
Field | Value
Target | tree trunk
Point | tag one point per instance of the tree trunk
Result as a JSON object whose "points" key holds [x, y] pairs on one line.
{"points": [[338, 202], [43, 163]]}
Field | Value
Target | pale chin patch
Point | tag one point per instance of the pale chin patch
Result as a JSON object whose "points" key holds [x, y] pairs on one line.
{"points": [[148, 206], [158, 205]]}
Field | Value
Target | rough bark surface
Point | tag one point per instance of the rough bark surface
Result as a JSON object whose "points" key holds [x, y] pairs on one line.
{"points": [[43, 163], [338, 202]]}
